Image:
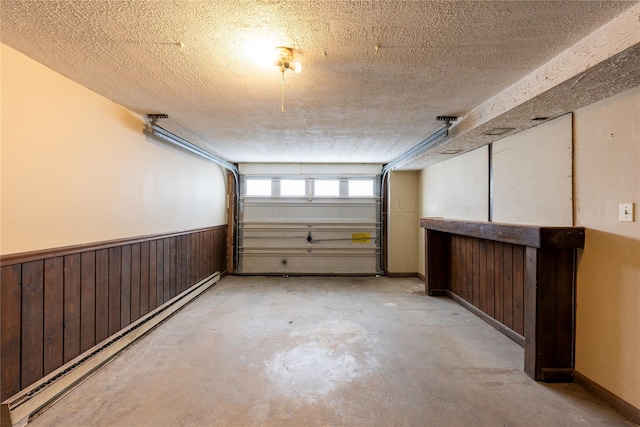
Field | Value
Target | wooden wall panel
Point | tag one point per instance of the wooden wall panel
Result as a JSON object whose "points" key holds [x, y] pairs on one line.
{"points": [[173, 267], [32, 333], [214, 249], [507, 285], [125, 287], [102, 295], [87, 301], [135, 282], [145, 267], [160, 265], [475, 273], [215, 256], [456, 267], [222, 249], [482, 274], [490, 276], [187, 261], [197, 265], [180, 265], [166, 283], [468, 281], [201, 257], [65, 301], [159, 273], [71, 306], [207, 250], [153, 274], [204, 252], [462, 266], [10, 317], [491, 302], [460, 254], [180, 262], [192, 258], [518, 289], [456, 261], [498, 280], [53, 313], [115, 277], [211, 248]]}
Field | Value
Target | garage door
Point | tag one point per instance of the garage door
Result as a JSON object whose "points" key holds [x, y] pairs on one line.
{"points": [[327, 222]]}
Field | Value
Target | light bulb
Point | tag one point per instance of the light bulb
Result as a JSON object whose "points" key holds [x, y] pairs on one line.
{"points": [[296, 66]]}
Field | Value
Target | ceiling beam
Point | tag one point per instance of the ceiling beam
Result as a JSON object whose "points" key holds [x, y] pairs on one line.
{"points": [[604, 63]]}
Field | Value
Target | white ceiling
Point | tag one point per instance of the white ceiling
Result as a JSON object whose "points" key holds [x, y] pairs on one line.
{"points": [[376, 73]]}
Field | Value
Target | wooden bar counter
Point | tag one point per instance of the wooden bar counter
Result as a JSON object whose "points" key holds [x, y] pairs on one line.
{"points": [[518, 278]]}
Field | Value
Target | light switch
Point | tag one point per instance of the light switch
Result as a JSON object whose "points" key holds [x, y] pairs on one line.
{"points": [[626, 212]]}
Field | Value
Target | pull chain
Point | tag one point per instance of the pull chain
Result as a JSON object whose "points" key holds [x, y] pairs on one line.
{"points": [[282, 106]]}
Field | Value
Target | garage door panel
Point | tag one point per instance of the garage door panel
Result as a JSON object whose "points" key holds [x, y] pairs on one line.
{"points": [[315, 263], [309, 235]]}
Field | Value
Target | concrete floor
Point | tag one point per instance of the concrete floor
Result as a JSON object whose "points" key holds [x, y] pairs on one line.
{"points": [[319, 351]]}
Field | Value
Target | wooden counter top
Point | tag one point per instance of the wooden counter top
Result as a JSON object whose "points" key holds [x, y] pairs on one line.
{"points": [[525, 235]]}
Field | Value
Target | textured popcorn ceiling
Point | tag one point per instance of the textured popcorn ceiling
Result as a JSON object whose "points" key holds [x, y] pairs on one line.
{"points": [[376, 73]]}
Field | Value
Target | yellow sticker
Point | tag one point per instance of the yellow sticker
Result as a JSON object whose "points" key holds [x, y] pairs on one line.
{"points": [[361, 238]]}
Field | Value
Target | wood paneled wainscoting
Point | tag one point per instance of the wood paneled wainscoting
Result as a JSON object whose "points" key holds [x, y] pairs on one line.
{"points": [[59, 303], [520, 279]]}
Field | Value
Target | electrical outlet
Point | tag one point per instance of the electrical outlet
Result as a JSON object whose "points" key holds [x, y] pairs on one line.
{"points": [[626, 212]]}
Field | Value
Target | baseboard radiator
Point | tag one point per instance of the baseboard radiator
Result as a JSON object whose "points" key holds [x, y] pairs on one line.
{"points": [[23, 406]]}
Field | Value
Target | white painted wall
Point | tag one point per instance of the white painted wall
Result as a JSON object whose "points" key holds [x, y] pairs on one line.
{"points": [[457, 188], [432, 191], [607, 172], [465, 192], [532, 175], [76, 167], [402, 221]]}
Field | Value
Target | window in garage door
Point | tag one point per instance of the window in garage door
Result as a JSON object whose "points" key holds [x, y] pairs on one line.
{"points": [[309, 224]]}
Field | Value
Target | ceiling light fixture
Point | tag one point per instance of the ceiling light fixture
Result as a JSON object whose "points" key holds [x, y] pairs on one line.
{"points": [[285, 61]]}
